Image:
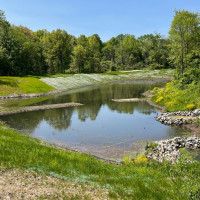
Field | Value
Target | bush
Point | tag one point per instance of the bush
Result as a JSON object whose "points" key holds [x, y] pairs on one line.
{"points": [[127, 160], [141, 160], [190, 106], [174, 98]]}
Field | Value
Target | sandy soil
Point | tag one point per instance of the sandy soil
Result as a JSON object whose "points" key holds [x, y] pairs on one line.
{"points": [[16, 184]]}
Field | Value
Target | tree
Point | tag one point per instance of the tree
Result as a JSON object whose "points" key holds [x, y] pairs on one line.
{"points": [[57, 50], [184, 33], [109, 49], [94, 54], [128, 52], [5, 67], [79, 58], [154, 50]]}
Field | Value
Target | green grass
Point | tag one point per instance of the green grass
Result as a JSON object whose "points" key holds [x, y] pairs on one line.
{"points": [[175, 99], [22, 85], [141, 181]]}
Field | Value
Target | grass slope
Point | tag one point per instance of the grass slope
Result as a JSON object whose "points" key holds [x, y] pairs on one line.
{"points": [[80, 80], [131, 181], [22, 85], [41, 84]]}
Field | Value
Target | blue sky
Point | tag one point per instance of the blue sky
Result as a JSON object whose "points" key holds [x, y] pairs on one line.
{"points": [[107, 18]]}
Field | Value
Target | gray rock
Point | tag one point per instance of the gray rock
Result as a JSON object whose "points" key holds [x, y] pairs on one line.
{"points": [[169, 149]]}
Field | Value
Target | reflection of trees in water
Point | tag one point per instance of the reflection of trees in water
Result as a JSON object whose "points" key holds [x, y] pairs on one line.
{"points": [[59, 118], [24, 121], [88, 112], [93, 98], [130, 107], [144, 108]]}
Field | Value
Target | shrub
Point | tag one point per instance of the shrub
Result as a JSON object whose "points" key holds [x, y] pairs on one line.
{"points": [[175, 98], [190, 106], [159, 99], [127, 160], [141, 160]]}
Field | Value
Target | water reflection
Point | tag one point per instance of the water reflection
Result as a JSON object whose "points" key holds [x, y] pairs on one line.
{"points": [[101, 127]]}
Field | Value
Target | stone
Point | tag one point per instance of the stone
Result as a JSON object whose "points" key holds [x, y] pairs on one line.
{"points": [[169, 149]]}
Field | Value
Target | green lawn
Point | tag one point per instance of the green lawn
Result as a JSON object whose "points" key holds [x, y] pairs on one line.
{"points": [[133, 181], [22, 85]]}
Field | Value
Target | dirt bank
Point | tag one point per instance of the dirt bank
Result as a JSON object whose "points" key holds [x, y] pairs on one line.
{"points": [[43, 107]]}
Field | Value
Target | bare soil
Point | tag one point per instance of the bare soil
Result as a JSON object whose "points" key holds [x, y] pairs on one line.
{"points": [[16, 184]]}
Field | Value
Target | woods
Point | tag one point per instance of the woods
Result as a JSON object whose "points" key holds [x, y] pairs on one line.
{"points": [[25, 52]]}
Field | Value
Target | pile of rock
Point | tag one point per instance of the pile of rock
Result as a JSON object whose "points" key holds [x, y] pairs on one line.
{"points": [[178, 118], [169, 149]]}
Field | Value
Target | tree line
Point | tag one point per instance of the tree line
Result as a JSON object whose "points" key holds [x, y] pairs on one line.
{"points": [[25, 52]]}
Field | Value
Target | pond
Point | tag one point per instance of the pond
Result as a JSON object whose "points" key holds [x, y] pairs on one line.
{"points": [[101, 127]]}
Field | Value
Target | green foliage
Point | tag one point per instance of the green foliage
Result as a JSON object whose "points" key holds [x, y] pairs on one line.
{"points": [[79, 59], [185, 33], [25, 52], [174, 98], [183, 92], [154, 50], [57, 50], [150, 147]]}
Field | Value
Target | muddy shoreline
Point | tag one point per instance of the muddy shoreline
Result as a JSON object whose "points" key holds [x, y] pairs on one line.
{"points": [[162, 108], [44, 107]]}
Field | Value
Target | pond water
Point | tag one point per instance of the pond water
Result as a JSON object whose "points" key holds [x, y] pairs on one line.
{"points": [[101, 127]]}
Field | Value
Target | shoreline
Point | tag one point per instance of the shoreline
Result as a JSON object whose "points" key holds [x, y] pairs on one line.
{"points": [[59, 91], [37, 108], [162, 108], [191, 126]]}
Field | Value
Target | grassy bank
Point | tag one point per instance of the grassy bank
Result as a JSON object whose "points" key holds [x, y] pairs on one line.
{"points": [[174, 98], [81, 80], [22, 85], [42, 84], [131, 181]]}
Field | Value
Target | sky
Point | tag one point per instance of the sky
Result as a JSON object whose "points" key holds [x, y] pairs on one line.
{"points": [[107, 18]]}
